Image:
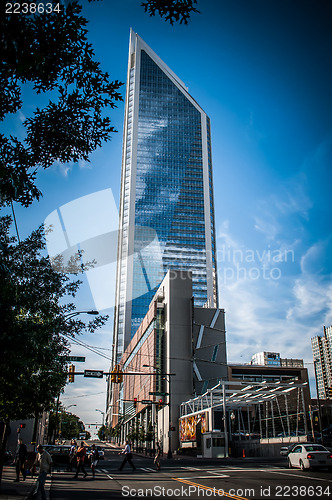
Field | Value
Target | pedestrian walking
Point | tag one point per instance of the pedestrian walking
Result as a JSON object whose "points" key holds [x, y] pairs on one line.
{"points": [[81, 453], [94, 457], [127, 457], [157, 456], [44, 461], [21, 458], [72, 455]]}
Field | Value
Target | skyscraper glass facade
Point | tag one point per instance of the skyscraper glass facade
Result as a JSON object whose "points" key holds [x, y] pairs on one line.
{"points": [[322, 354], [166, 206]]}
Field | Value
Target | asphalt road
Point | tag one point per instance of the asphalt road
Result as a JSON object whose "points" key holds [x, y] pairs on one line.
{"points": [[190, 478]]}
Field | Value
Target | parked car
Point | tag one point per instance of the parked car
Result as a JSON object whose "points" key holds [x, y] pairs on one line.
{"points": [[307, 456], [101, 452], [8, 458], [285, 450], [59, 453]]}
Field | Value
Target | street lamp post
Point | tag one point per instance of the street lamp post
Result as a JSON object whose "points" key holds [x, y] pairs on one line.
{"points": [[69, 316], [103, 414], [103, 424], [318, 401], [76, 313], [69, 407]]}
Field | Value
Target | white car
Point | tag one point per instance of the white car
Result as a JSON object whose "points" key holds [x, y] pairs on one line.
{"points": [[306, 456]]}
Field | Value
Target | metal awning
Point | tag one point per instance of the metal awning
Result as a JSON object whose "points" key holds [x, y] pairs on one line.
{"points": [[237, 394]]}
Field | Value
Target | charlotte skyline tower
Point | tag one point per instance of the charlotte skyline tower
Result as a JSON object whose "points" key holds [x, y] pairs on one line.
{"points": [[166, 218]]}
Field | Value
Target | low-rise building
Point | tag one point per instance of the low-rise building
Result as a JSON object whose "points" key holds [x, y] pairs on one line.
{"points": [[178, 351], [265, 358]]}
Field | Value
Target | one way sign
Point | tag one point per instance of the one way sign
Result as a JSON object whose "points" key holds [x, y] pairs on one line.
{"points": [[94, 373]]}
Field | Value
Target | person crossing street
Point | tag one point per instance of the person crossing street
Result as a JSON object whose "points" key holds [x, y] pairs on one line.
{"points": [[94, 457], [44, 461], [127, 457], [81, 453], [21, 458]]}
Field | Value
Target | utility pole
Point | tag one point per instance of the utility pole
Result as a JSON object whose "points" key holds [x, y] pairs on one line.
{"points": [[318, 401]]}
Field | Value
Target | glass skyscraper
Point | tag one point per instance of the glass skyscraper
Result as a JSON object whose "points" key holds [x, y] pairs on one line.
{"points": [[166, 205]]}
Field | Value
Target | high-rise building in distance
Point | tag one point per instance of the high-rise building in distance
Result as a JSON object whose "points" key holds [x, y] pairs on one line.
{"points": [[322, 354], [166, 215]]}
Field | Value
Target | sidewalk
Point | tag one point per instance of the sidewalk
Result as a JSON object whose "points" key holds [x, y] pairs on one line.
{"points": [[10, 490]]}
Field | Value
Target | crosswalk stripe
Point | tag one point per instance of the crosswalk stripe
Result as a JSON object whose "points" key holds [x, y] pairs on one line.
{"points": [[190, 468]]}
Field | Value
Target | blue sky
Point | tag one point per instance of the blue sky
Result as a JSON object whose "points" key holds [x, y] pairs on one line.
{"points": [[262, 72]]}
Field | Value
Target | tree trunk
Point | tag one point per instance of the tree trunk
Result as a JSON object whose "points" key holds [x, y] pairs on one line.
{"points": [[3, 445], [34, 434]]}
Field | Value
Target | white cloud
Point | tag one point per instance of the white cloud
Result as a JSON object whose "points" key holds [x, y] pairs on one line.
{"points": [[21, 116], [224, 235], [312, 295], [275, 315], [268, 227]]}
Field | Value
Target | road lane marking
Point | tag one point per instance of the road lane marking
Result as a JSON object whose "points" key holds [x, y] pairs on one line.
{"points": [[208, 488], [204, 477], [301, 476], [190, 468], [218, 473]]}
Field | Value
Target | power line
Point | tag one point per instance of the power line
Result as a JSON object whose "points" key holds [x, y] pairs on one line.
{"points": [[84, 395], [86, 346]]}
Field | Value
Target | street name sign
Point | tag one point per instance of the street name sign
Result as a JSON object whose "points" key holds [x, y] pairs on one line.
{"points": [[158, 393], [79, 359], [146, 402], [94, 373]]}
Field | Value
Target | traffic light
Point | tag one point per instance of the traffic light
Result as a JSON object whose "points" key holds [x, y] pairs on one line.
{"points": [[160, 404], [329, 393], [22, 426], [135, 402], [119, 376], [71, 374], [116, 375]]}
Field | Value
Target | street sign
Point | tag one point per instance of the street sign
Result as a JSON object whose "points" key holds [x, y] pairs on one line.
{"points": [[158, 393], [79, 359], [94, 373], [146, 402]]}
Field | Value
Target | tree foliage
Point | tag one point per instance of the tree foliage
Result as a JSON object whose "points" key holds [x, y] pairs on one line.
{"points": [[69, 424], [104, 433], [171, 10], [50, 52], [34, 328]]}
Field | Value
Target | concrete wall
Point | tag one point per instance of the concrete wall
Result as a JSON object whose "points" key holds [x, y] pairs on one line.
{"points": [[262, 447], [178, 349], [209, 341]]}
